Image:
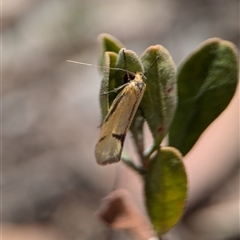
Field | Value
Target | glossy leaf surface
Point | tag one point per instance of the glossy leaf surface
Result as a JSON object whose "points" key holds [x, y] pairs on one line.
{"points": [[207, 81]]}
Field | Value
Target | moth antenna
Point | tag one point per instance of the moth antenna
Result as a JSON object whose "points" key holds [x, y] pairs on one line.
{"points": [[125, 59], [92, 65], [157, 58]]}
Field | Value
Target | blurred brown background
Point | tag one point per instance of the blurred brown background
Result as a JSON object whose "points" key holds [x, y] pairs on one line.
{"points": [[51, 184]]}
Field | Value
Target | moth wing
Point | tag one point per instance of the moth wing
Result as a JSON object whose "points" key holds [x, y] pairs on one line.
{"points": [[108, 150], [117, 123]]}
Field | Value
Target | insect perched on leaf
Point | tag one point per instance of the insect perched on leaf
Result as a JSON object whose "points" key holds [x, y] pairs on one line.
{"points": [[118, 120], [119, 117]]}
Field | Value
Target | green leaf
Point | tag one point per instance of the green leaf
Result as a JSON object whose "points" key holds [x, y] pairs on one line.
{"points": [[109, 47], [165, 189], [207, 81], [109, 61], [131, 62], [107, 43], [159, 101]]}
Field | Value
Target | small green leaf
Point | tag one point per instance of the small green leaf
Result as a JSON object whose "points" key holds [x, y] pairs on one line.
{"points": [[109, 47], [165, 189], [207, 81], [128, 60], [109, 61], [107, 43], [160, 98]]}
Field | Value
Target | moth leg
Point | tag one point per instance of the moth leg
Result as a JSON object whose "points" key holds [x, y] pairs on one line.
{"points": [[115, 89]]}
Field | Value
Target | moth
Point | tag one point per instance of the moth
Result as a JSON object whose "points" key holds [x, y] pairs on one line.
{"points": [[118, 120]]}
